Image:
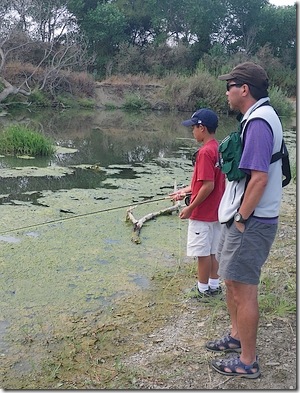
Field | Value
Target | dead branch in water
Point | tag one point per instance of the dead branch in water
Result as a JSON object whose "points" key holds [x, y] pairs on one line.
{"points": [[137, 224]]}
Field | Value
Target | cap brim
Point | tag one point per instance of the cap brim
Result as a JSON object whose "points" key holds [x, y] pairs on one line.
{"points": [[225, 77], [189, 122]]}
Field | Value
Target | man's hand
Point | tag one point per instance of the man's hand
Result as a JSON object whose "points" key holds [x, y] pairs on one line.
{"points": [[240, 226]]}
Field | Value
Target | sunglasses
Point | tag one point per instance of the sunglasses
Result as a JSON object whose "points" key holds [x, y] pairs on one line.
{"points": [[229, 86]]}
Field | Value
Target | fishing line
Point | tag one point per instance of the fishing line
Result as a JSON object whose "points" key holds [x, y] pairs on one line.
{"points": [[178, 265], [82, 215]]}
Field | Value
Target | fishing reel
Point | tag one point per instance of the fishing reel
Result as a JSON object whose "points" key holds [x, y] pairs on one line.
{"points": [[187, 199]]}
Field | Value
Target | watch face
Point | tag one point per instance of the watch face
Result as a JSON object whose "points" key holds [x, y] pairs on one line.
{"points": [[238, 217]]}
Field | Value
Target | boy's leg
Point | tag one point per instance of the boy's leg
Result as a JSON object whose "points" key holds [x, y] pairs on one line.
{"points": [[204, 266], [214, 267]]}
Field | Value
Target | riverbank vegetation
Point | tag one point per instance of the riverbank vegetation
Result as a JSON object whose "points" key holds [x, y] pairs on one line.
{"points": [[54, 56], [19, 140]]}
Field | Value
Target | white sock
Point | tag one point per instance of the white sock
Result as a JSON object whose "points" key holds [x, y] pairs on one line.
{"points": [[214, 283], [202, 287]]}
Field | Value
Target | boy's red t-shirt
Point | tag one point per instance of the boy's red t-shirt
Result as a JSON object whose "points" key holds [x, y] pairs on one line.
{"points": [[206, 169]]}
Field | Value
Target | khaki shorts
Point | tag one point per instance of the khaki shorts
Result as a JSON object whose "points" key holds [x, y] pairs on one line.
{"points": [[203, 238], [242, 255]]}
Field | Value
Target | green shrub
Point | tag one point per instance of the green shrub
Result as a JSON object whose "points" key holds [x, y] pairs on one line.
{"points": [[199, 90], [280, 101], [39, 98], [135, 102], [69, 101], [20, 140], [86, 103]]}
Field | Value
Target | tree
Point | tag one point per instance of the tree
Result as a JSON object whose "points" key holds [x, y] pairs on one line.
{"points": [[104, 27], [140, 29], [278, 30], [41, 35], [240, 25]]}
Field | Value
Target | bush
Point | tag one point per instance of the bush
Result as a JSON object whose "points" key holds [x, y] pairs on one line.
{"points": [[199, 90], [135, 102], [39, 98], [279, 101], [20, 140], [69, 101]]}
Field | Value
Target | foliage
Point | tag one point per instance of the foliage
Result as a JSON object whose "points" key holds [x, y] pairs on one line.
{"points": [[68, 101], [104, 26], [150, 24], [278, 32], [199, 90], [279, 74], [44, 42], [280, 102], [159, 60], [20, 140], [39, 98], [136, 102]]}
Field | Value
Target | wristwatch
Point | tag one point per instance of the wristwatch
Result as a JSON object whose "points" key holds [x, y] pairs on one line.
{"points": [[239, 218]]}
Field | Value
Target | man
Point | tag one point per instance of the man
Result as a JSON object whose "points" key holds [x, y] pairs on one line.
{"points": [[249, 211], [206, 187]]}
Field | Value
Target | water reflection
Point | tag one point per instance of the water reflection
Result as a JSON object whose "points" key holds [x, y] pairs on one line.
{"points": [[105, 138]]}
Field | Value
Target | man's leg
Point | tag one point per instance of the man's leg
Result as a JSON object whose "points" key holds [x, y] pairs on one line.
{"points": [[244, 313]]}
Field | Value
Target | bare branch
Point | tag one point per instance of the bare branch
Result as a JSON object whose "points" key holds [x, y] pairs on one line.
{"points": [[137, 224]]}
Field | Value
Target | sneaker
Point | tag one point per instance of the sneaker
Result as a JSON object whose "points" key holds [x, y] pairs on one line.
{"points": [[196, 294], [215, 292]]}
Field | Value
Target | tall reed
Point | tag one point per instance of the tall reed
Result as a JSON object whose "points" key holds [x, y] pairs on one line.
{"points": [[20, 140]]}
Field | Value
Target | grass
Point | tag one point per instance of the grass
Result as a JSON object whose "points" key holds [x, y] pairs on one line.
{"points": [[20, 140], [277, 296]]}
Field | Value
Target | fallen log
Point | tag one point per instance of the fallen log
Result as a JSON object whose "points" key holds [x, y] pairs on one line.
{"points": [[137, 224]]}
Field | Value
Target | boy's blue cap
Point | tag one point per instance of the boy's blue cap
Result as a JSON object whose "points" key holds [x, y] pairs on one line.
{"points": [[204, 116]]}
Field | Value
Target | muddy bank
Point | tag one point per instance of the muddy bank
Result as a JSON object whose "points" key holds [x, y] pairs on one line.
{"points": [[116, 94]]}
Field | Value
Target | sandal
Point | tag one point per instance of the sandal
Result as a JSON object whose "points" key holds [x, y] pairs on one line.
{"points": [[224, 344], [233, 364]]}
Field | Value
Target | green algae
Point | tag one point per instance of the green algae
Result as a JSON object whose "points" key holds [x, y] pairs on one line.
{"points": [[56, 265]]}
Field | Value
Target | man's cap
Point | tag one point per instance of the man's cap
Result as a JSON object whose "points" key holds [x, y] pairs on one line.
{"points": [[249, 73], [203, 116]]}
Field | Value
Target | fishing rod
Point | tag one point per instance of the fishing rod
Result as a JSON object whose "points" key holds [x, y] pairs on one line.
{"points": [[84, 215]]}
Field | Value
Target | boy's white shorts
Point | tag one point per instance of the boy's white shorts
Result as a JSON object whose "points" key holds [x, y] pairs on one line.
{"points": [[203, 238]]}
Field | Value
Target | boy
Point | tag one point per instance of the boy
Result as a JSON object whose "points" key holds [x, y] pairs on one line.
{"points": [[206, 187]]}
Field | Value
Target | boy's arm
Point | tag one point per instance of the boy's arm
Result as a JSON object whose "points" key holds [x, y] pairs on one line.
{"points": [[180, 194], [206, 188]]}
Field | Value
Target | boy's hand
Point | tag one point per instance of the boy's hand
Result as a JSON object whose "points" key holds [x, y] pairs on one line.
{"points": [[185, 213], [177, 195]]}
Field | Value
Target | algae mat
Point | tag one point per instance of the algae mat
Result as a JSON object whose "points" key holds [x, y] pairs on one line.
{"points": [[72, 255]]}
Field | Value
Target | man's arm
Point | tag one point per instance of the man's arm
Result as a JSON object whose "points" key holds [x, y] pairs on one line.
{"points": [[253, 193]]}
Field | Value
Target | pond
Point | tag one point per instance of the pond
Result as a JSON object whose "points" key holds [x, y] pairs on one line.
{"points": [[105, 138], [66, 248]]}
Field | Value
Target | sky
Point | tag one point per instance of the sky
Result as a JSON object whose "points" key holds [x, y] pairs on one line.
{"points": [[283, 2]]}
